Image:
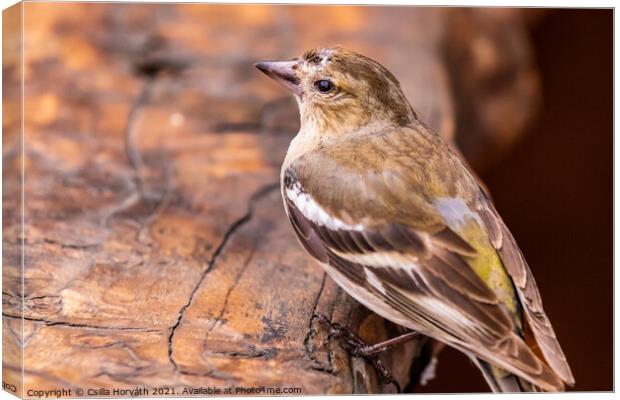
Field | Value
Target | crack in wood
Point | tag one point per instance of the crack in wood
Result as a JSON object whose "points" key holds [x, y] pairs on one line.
{"points": [[214, 374], [230, 290], [244, 219], [311, 332], [136, 162], [310, 329], [80, 326], [251, 352], [161, 203], [332, 307], [131, 149], [75, 246]]}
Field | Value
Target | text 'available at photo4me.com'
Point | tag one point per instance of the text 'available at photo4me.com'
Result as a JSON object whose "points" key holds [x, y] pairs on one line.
{"points": [[141, 391]]}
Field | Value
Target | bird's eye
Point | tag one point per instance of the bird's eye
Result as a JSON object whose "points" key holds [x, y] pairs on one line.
{"points": [[324, 85]]}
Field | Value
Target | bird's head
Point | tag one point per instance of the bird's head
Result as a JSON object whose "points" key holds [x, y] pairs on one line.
{"points": [[339, 91]]}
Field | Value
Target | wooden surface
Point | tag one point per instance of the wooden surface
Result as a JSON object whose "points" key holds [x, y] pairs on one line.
{"points": [[156, 250]]}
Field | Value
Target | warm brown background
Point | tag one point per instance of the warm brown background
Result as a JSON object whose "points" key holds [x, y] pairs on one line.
{"points": [[555, 193], [154, 255]]}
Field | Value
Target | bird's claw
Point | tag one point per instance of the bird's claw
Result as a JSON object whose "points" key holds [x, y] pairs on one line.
{"points": [[357, 347]]}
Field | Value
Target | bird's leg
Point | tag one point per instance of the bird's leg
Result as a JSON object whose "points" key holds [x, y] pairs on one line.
{"points": [[377, 348], [358, 348]]}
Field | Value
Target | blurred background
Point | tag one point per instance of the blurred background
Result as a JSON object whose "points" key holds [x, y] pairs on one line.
{"points": [[555, 191], [150, 138]]}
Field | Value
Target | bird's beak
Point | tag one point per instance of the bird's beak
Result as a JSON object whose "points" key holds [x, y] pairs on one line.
{"points": [[283, 72]]}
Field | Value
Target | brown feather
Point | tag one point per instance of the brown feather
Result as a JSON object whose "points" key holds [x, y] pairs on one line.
{"points": [[527, 289]]}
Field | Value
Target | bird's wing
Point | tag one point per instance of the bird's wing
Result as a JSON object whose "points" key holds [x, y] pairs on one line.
{"points": [[401, 248], [522, 277]]}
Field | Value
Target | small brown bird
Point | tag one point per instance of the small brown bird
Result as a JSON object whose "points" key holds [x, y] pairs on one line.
{"points": [[402, 225]]}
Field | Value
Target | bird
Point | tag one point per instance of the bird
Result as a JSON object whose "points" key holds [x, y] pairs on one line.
{"points": [[399, 221]]}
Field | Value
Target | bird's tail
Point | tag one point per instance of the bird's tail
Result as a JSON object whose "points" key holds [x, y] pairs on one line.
{"points": [[501, 380]]}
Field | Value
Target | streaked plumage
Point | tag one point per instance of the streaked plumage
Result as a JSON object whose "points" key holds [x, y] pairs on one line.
{"points": [[397, 220]]}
